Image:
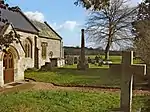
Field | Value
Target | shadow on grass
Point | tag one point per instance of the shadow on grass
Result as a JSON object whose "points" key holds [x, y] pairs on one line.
{"points": [[75, 77], [71, 76], [88, 72]]}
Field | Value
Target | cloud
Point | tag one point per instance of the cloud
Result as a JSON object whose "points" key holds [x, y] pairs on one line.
{"points": [[69, 25], [38, 16]]}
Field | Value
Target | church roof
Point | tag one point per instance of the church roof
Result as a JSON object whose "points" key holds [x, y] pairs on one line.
{"points": [[46, 31], [18, 19], [3, 28]]}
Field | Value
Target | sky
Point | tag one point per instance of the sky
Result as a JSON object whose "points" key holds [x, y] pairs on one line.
{"points": [[63, 16]]}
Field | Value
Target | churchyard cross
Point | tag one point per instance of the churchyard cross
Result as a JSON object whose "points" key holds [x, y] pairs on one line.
{"points": [[128, 70]]}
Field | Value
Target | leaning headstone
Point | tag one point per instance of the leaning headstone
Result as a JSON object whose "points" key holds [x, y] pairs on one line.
{"points": [[128, 70], [82, 65]]}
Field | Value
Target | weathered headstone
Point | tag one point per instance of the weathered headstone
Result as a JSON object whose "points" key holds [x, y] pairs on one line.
{"points": [[93, 61], [75, 60], [82, 65], [97, 59], [128, 70], [69, 60], [89, 60], [100, 62]]}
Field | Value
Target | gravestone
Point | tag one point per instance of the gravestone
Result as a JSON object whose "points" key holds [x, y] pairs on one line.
{"points": [[97, 59], [89, 60], [93, 61], [100, 62], [69, 60], [128, 70], [82, 65], [75, 60]]}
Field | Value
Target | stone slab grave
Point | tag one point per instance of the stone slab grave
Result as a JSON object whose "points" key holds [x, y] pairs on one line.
{"points": [[128, 70]]}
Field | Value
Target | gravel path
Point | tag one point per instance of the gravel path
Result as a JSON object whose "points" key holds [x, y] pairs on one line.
{"points": [[49, 86]]}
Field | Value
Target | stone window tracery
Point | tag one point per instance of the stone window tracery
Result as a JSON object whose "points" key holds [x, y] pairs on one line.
{"points": [[44, 49], [28, 48]]}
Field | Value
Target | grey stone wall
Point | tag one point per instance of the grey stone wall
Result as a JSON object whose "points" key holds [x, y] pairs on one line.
{"points": [[53, 45]]}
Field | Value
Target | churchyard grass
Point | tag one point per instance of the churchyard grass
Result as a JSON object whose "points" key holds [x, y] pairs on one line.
{"points": [[69, 75], [72, 76], [64, 101], [114, 59]]}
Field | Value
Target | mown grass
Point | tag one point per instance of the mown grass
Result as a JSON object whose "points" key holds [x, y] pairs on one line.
{"points": [[114, 59], [72, 76], [63, 101], [69, 75], [70, 101]]}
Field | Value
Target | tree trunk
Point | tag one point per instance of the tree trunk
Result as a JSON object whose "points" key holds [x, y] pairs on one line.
{"points": [[109, 41], [107, 51]]}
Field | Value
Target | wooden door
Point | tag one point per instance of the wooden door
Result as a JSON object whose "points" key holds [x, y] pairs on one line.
{"points": [[8, 64]]}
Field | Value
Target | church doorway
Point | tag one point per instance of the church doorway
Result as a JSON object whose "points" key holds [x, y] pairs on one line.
{"points": [[8, 64]]}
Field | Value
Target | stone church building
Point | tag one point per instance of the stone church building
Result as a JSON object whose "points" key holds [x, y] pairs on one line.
{"points": [[37, 45]]}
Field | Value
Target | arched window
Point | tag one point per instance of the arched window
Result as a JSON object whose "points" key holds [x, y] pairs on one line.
{"points": [[44, 49], [28, 48]]}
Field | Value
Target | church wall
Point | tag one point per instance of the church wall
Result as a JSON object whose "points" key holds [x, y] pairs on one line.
{"points": [[53, 45], [28, 61], [19, 60], [56, 46], [1, 72]]}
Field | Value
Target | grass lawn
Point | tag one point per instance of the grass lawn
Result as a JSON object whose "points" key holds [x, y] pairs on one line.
{"points": [[63, 101], [114, 59], [69, 101], [69, 75]]}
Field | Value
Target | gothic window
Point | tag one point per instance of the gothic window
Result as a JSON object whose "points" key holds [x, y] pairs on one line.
{"points": [[28, 48], [44, 49]]}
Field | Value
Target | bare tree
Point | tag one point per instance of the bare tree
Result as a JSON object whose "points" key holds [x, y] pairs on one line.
{"points": [[111, 25], [93, 4]]}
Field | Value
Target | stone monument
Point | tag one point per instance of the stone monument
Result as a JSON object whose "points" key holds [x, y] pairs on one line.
{"points": [[83, 64]]}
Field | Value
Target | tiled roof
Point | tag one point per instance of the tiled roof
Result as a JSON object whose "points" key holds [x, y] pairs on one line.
{"points": [[18, 19], [3, 28], [45, 30]]}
